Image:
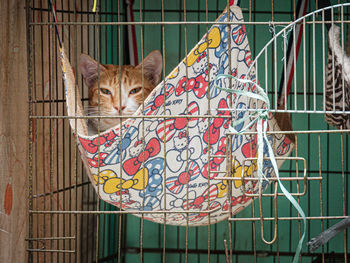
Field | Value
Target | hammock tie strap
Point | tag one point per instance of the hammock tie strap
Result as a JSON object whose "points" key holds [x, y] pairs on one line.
{"points": [[260, 118]]}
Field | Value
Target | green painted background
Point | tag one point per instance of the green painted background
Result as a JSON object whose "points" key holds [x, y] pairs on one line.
{"points": [[113, 49]]}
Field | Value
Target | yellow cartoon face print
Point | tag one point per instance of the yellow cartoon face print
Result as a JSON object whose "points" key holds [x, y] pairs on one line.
{"points": [[213, 41]]}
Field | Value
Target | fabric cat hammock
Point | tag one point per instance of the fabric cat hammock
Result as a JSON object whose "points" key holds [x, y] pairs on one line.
{"points": [[174, 172]]}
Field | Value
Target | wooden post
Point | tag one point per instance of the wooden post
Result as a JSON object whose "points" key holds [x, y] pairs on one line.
{"points": [[13, 131]]}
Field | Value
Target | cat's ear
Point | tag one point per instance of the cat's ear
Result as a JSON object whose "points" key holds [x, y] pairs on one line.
{"points": [[152, 66], [89, 69]]}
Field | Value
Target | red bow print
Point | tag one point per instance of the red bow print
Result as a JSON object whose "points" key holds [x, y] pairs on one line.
{"points": [[94, 161], [249, 149], [203, 55], [182, 135], [284, 146], [171, 126], [239, 34], [197, 203], [125, 192], [91, 146], [198, 85], [215, 162], [209, 68], [196, 217], [132, 165], [234, 73], [176, 124], [159, 100], [248, 58], [137, 143], [177, 183], [214, 128], [242, 199]]}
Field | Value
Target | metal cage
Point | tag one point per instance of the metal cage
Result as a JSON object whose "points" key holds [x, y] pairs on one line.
{"points": [[67, 221]]}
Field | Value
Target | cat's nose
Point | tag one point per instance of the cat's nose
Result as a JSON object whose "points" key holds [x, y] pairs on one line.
{"points": [[117, 108]]}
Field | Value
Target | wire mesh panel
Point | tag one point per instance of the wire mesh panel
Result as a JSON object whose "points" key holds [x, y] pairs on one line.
{"points": [[68, 222], [57, 182]]}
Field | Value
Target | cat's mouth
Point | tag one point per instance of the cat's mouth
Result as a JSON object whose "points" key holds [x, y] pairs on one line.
{"points": [[107, 123], [94, 111]]}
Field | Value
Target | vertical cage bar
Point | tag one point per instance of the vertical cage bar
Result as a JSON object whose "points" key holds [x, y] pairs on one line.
{"points": [[29, 34]]}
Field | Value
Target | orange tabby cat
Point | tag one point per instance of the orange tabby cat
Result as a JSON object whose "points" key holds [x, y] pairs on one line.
{"points": [[113, 84]]}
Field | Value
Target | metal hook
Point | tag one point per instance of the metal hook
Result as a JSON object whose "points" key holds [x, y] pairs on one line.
{"points": [[261, 216]]}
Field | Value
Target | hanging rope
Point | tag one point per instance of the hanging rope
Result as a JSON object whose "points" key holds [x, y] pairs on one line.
{"points": [[288, 75], [54, 15]]}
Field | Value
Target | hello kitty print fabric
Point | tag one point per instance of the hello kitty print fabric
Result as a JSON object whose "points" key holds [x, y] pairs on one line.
{"points": [[163, 164]]}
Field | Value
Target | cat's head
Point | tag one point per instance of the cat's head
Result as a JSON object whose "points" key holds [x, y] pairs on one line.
{"points": [[121, 91]]}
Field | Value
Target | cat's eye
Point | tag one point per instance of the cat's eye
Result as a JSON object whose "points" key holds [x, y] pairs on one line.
{"points": [[106, 91], [135, 90]]}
